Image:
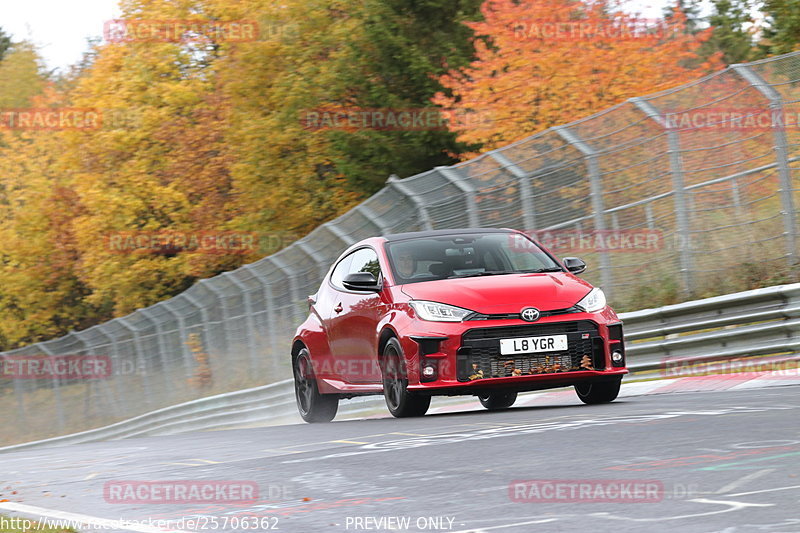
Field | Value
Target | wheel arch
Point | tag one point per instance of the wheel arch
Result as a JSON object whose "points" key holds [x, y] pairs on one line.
{"points": [[298, 345], [386, 333]]}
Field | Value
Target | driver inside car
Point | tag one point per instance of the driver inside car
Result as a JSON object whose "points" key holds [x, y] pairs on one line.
{"points": [[406, 265]]}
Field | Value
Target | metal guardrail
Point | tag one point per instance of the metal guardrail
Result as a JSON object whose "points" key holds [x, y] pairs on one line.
{"points": [[758, 322]]}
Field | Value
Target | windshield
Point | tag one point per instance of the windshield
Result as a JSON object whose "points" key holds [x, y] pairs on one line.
{"points": [[466, 255]]}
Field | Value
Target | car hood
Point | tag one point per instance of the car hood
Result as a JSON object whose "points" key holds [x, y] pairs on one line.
{"points": [[507, 293]]}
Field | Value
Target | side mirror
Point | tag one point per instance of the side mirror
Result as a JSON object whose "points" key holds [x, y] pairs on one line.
{"points": [[574, 264], [361, 281]]}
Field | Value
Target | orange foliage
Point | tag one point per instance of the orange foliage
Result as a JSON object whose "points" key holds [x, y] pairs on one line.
{"points": [[531, 74]]}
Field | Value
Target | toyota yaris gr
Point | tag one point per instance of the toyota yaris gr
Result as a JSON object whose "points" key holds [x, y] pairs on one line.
{"points": [[484, 312]]}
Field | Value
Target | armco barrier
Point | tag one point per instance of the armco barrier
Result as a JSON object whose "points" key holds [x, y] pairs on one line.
{"points": [[751, 323], [758, 322]]}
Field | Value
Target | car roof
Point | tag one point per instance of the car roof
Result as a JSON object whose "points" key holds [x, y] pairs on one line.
{"points": [[442, 232]]}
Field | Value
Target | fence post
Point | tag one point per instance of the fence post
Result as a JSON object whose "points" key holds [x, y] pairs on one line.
{"points": [[678, 191], [293, 287], [373, 216], [59, 405], [272, 323], [251, 327], [346, 238], [525, 190], [781, 155], [226, 343], [162, 349], [102, 383], [137, 345], [404, 189], [206, 331], [119, 381], [19, 391], [596, 187], [182, 336], [467, 189], [322, 267]]}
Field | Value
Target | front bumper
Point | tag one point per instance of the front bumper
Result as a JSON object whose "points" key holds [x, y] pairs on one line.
{"points": [[466, 355]]}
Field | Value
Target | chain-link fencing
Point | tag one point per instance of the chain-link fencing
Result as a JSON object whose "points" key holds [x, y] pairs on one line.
{"points": [[698, 167]]}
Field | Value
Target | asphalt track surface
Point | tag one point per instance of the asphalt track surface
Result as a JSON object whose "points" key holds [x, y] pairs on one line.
{"points": [[722, 461]]}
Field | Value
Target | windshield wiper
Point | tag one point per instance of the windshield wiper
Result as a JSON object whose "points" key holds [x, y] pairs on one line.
{"points": [[503, 272], [484, 273]]}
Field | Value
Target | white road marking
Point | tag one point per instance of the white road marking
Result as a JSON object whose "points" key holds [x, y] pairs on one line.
{"points": [[503, 526], [732, 506], [742, 480], [766, 490], [75, 518]]}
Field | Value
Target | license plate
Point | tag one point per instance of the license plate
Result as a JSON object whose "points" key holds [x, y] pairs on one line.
{"points": [[551, 343]]}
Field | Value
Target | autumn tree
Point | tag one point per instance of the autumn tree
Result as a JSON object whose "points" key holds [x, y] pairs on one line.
{"points": [[533, 74], [42, 294], [157, 164], [21, 74]]}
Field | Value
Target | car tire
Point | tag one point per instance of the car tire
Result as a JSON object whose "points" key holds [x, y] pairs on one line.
{"points": [[497, 400], [593, 392], [313, 406], [401, 402]]}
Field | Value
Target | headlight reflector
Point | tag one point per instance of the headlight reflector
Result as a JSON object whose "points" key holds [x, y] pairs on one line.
{"points": [[436, 312], [593, 302]]}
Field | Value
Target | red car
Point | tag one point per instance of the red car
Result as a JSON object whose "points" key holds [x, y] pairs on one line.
{"points": [[485, 312]]}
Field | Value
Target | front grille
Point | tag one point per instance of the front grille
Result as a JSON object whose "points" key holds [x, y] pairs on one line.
{"points": [[479, 356], [516, 316]]}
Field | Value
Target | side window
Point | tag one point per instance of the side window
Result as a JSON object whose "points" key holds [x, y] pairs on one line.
{"points": [[365, 260], [340, 270]]}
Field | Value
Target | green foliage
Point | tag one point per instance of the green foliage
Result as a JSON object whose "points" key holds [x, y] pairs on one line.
{"points": [[394, 62], [21, 75], [5, 43], [781, 32], [666, 292], [732, 33], [691, 11]]}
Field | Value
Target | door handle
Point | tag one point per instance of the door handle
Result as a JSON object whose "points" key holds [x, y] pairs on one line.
{"points": [[338, 308]]}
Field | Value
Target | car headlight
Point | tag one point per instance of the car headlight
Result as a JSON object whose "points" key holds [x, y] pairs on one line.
{"points": [[437, 312], [593, 302]]}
